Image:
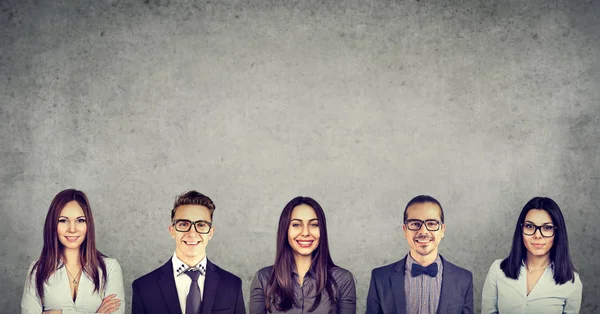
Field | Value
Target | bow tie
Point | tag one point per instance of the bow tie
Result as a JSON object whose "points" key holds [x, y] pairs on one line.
{"points": [[183, 270], [430, 270]]}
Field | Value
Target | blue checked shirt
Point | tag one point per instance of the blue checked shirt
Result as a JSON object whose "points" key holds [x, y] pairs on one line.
{"points": [[423, 291]]}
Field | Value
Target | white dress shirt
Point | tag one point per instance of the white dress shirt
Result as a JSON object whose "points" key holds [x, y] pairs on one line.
{"points": [[57, 292], [183, 281], [502, 294]]}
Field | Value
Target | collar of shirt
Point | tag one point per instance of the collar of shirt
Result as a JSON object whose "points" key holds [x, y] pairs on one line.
{"points": [[180, 267], [310, 272], [60, 264], [410, 261], [523, 266]]}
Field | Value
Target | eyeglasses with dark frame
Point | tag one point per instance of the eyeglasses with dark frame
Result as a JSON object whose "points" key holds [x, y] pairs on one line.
{"points": [[184, 225], [547, 231], [417, 224]]}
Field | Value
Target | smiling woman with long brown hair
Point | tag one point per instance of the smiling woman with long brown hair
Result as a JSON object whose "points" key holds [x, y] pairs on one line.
{"points": [[303, 277], [71, 275]]}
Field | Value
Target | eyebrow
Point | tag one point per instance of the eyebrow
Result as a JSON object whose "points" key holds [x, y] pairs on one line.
{"points": [[546, 223], [68, 217], [298, 219]]}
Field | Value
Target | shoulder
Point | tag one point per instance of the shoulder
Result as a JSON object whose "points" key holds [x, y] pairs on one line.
{"points": [[386, 270], [151, 276], [341, 273], [264, 273], [225, 275], [457, 270], [111, 263], [496, 264], [577, 283], [30, 276], [31, 266]]}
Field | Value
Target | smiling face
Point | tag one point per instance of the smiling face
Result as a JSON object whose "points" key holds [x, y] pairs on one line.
{"points": [[423, 243], [190, 246], [303, 231], [536, 244], [72, 227]]}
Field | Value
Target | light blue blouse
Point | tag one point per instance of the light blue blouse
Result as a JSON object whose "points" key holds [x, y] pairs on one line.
{"points": [[506, 295], [57, 293]]}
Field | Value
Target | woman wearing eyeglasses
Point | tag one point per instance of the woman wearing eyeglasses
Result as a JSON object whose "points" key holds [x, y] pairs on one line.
{"points": [[538, 275], [71, 275], [304, 277]]}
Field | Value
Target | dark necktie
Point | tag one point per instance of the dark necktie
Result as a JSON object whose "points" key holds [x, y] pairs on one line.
{"points": [[192, 302], [430, 270]]}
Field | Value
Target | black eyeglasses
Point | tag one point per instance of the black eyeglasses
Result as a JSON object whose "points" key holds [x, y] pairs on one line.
{"points": [[417, 224], [546, 231], [184, 225]]}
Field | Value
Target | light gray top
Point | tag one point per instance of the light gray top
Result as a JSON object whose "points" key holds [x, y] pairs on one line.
{"points": [[502, 294], [345, 290], [57, 292]]}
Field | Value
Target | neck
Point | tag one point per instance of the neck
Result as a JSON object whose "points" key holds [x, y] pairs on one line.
{"points": [[537, 262], [302, 264], [424, 260], [71, 257]]}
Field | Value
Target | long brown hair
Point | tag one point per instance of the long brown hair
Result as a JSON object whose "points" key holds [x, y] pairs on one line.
{"points": [[90, 258], [280, 290]]}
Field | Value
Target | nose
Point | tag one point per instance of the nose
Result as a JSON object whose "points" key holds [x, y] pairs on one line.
{"points": [[304, 230], [193, 233], [538, 233], [71, 227], [423, 230]]}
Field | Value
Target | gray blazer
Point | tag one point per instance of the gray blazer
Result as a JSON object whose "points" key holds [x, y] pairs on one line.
{"points": [[386, 291]]}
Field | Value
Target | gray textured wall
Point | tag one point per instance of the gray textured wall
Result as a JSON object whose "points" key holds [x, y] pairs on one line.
{"points": [[359, 104]]}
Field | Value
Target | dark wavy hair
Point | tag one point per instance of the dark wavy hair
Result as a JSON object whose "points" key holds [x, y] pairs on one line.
{"points": [[559, 253], [90, 258], [280, 291]]}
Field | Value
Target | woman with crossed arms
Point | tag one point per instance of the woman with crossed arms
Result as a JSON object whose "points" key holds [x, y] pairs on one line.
{"points": [[71, 275], [538, 275]]}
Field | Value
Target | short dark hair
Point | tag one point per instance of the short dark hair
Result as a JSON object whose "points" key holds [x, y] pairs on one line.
{"points": [[420, 199], [559, 253], [193, 198]]}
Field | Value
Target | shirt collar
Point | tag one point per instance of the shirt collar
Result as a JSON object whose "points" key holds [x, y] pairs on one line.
{"points": [[410, 261], [549, 266], [60, 264], [180, 267], [311, 272]]}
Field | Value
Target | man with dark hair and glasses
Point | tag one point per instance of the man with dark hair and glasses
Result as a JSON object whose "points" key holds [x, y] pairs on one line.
{"points": [[414, 284], [188, 282]]}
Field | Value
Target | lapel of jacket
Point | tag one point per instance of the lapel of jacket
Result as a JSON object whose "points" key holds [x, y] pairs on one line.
{"points": [[166, 282], [446, 291], [211, 283], [397, 283]]}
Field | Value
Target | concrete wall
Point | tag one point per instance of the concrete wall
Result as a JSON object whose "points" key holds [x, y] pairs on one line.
{"points": [[358, 104]]}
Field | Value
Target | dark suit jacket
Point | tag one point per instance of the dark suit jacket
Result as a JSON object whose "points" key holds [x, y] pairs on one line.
{"points": [[386, 291], [156, 293]]}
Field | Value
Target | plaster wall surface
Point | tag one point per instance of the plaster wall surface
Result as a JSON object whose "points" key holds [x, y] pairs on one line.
{"points": [[359, 104]]}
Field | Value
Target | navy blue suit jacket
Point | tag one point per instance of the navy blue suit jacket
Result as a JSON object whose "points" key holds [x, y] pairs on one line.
{"points": [[155, 292], [386, 291]]}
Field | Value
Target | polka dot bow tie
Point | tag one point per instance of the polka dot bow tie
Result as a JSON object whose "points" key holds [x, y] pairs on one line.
{"points": [[184, 269]]}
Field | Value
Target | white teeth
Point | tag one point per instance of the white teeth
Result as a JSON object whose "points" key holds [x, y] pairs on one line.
{"points": [[192, 243]]}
